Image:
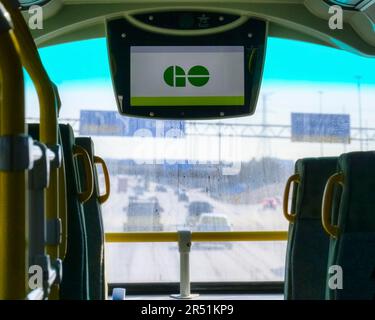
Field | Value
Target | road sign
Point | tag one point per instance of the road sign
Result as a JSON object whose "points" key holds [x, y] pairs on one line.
{"points": [[315, 127], [111, 123]]}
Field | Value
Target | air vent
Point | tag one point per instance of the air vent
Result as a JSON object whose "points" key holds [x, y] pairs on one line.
{"points": [[25, 4], [352, 4]]}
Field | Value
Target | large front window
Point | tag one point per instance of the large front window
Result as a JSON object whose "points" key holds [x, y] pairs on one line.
{"points": [[224, 175]]}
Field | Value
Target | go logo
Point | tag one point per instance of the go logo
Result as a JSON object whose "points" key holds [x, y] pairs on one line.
{"points": [[175, 76]]}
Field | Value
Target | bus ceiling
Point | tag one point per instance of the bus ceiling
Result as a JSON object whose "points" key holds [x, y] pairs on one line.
{"points": [[316, 21]]}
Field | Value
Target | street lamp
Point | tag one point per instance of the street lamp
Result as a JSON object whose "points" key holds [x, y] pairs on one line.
{"points": [[265, 144], [359, 79], [320, 112], [320, 101]]}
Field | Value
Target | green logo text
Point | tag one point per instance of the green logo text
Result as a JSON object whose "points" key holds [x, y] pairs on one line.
{"points": [[175, 76]]}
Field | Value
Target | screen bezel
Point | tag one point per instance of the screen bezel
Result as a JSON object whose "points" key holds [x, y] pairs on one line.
{"points": [[122, 35]]}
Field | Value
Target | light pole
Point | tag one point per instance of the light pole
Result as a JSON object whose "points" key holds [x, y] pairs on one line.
{"points": [[266, 147], [344, 112], [320, 101], [359, 79], [265, 97], [320, 112], [219, 125]]}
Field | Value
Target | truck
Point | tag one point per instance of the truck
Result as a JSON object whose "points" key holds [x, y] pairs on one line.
{"points": [[143, 215]]}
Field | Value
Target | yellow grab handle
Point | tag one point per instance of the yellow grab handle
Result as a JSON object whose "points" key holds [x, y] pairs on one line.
{"points": [[103, 198], [332, 230], [289, 216], [86, 194]]}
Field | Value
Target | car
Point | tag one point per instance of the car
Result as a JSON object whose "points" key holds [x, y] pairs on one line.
{"points": [[144, 215], [183, 197], [160, 188], [214, 222], [198, 207], [122, 185], [133, 198], [139, 190], [195, 209], [269, 203]]}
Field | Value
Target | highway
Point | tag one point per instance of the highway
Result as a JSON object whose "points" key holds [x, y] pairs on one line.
{"points": [[155, 262]]}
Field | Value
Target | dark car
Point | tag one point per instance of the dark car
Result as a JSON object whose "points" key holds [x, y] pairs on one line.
{"points": [[195, 209], [183, 197], [160, 188], [213, 222]]}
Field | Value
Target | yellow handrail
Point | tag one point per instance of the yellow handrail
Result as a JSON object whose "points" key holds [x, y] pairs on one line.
{"points": [[13, 250], [33, 64], [86, 194], [289, 216], [47, 102], [124, 237], [332, 230]]}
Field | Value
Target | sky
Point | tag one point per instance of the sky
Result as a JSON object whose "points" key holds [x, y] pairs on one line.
{"points": [[286, 60], [295, 73]]}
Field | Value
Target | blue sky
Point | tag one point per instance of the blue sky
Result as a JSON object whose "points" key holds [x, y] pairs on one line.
{"points": [[295, 75], [287, 61]]}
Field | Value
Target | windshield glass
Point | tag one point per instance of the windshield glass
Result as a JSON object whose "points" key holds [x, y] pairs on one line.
{"points": [[315, 101]]}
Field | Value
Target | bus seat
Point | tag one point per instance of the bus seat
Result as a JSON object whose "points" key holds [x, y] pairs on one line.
{"points": [[351, 225], [94, 228], [75, 284], [307, 251]]}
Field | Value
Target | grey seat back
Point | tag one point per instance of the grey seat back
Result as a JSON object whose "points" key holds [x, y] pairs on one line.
{"points": [[74, 284], [94, 229], [307, 251], [353, 212]]}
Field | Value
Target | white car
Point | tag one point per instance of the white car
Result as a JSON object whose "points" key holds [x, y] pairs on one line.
{"points": [[213, 222]]}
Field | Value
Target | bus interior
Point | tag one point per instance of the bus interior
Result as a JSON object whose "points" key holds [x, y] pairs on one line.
{"points": [[172, 150]]}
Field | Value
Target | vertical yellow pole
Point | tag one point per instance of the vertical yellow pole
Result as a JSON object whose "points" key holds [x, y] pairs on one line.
{"points": [[12, 183], [47, 103], [48, 110]]}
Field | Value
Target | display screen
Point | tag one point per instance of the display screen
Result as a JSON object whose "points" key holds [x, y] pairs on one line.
{"points": [[196, 74], [187, 76]]}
